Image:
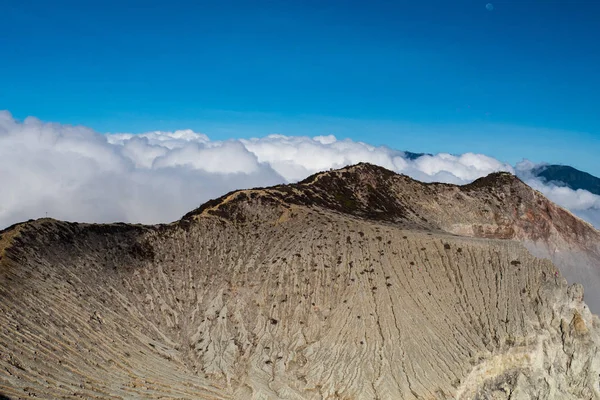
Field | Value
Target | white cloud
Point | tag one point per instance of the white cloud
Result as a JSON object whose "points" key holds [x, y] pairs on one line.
{"points": [[170, 140], [574, 200], [459, 169], [74, 173]]}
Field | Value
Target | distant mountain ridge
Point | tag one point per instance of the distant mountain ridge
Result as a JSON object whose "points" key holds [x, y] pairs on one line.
{"points": [[564, 175], [409, 155]]}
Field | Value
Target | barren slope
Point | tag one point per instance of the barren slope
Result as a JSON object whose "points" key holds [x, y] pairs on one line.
{"points": [[345, 286], [498, 206]]}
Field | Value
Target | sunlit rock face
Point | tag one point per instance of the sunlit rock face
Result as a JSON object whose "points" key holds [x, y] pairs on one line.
{"points": [[353, 284]]}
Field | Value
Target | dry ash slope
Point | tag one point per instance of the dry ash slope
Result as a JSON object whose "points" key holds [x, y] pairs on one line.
{"points": [[355, 284]]}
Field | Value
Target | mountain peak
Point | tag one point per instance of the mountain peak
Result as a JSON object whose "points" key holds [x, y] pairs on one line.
{"points": [[357, 269], [362, 190], [495, 180], [564, 175], [362, 168], [498, 205]]}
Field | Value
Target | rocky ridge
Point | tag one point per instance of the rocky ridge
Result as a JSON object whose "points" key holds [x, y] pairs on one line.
{"points": [[356, 283]]}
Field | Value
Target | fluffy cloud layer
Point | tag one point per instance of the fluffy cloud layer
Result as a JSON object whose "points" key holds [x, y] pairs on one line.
{"points": [[74, 173]]}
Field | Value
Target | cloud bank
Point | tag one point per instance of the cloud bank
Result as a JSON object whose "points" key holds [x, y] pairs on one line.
{"points": [[74, 173]]}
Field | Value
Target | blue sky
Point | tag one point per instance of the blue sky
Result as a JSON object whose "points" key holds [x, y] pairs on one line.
{"points": [[519, 81]]}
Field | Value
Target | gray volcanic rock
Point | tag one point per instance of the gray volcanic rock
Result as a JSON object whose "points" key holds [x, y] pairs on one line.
{"points": [[353, 284]]}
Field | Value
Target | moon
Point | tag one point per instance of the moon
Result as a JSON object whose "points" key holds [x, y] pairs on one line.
{"points": [[489, 6]]}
